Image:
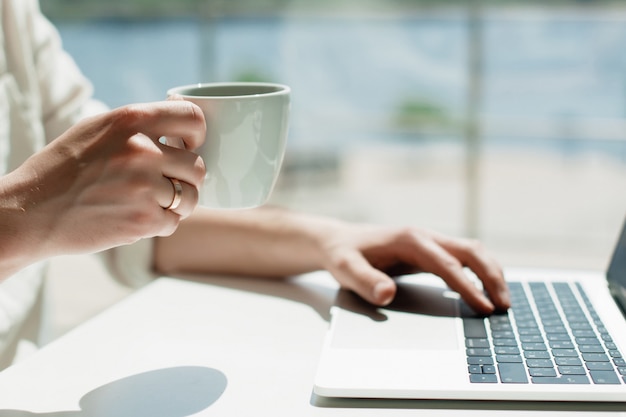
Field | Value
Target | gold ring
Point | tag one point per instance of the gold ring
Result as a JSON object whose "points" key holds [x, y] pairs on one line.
{"points": [[178, 194]]}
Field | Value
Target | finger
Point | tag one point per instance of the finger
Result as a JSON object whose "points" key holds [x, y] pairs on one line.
{"points": [[188, 197], [170, 118], [183, 165], [474, 256], [439, 262], [354, 272], [175, 142], [169, 224]]}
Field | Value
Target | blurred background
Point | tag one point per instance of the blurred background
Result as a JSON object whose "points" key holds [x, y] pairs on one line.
{"points": [[502, 120]]}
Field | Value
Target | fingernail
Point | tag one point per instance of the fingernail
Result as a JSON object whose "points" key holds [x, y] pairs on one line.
{"points": [[488, 305], [384, 292], [505, 298]]}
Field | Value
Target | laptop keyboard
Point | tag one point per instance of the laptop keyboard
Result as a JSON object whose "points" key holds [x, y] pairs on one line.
{"points": [[551, 335]]}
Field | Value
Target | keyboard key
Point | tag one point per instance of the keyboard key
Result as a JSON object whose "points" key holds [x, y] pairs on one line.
{"points": [[542, 372], [552, 321], [569, 379], [539, 363], [475, 369], [557, 329], [604, 377], [563, 344], [568, 361], [595, 357], [583, 333], [508, 359], [530, 324], [534, 346], [581, 326], [499, 318], [507, 350], [505, 342], [534, 338], [536, 354], [576, 317], [477, 343], [558, 336], [572, 370], [606, 338], [478, 352], [587, 341], [501, 327], [599, 366], [591, 349], [529, 331], [502, 334], [483, 378], [512, 373], [474, 328], [524, 316], [552, 318], [480, 360], [561, 353]]}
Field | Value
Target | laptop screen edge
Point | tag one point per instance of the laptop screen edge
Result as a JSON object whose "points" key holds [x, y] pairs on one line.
{"points": [[616, 273]]}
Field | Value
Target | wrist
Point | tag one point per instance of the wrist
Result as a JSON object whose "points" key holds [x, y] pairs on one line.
{"points": [[322, 236], [22, 238]]}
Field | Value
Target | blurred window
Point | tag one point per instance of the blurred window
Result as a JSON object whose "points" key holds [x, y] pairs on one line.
{"points": [[503, 120]]}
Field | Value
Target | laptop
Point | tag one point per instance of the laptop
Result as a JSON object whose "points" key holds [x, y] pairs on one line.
{"points": [[564, 339]]}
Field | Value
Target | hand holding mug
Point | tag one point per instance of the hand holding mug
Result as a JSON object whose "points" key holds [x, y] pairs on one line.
{"points": [[106, 182]]}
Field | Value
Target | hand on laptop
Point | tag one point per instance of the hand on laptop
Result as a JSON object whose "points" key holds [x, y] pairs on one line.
{"points": [[273, 242], [364, 258]]}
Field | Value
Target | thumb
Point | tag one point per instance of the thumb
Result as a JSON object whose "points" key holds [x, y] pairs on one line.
{"points": [[354, 272], [175, 97], [170, 141]]}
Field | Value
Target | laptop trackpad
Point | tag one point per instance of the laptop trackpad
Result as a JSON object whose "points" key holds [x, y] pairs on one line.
{"points": [[420, 317]]}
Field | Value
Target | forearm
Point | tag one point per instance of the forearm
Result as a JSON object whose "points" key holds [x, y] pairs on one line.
{"points": [[271, 242], [268, 242]]}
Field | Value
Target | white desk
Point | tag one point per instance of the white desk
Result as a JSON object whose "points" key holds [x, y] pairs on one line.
{"points": [[226, 347]]}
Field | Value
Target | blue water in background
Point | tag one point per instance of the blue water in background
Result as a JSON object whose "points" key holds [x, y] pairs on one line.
{"points": [[350, 75]]}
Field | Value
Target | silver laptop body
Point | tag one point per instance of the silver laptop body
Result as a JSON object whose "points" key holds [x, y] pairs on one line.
{"points": [[563, 340]]}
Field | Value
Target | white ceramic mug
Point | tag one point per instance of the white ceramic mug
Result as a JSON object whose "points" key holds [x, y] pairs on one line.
{"points": [[247, 125]]}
